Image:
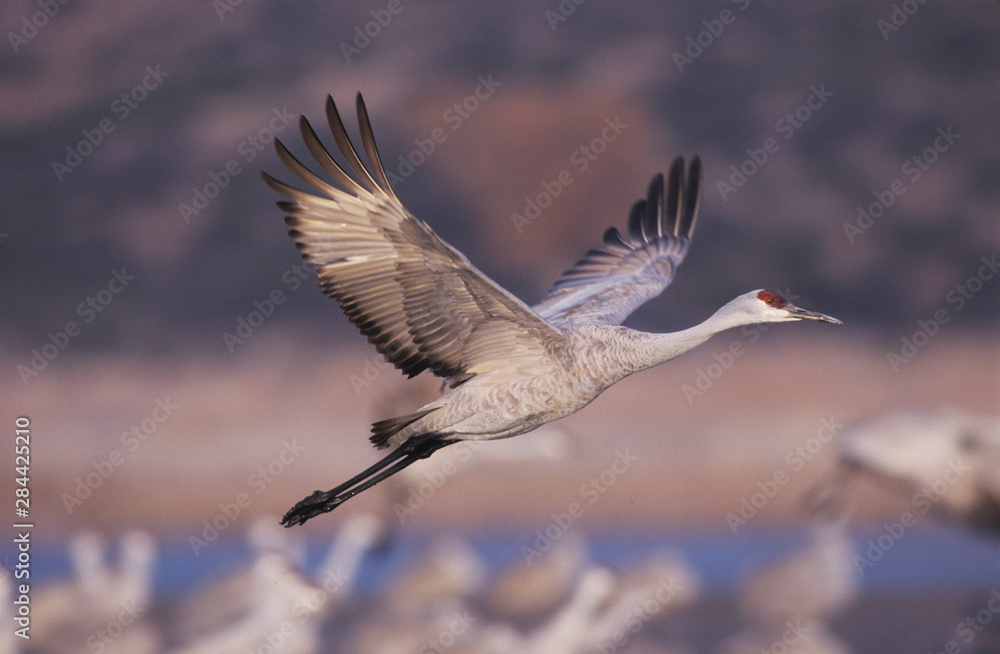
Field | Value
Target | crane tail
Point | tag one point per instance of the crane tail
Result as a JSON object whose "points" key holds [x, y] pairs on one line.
{"points": [[413, 450], [383, 430]]}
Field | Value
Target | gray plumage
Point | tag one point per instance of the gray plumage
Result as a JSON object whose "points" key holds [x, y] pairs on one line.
{"points": [[424, 306]]}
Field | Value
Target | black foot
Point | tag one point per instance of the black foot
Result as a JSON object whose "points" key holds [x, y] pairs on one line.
{"points": [[316, 504]]}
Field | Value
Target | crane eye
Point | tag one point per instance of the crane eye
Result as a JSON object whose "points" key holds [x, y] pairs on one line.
{"points": [[771, 299]]}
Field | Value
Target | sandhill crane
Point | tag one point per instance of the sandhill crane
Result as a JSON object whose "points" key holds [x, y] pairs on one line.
{"points": [[530, 589], [566, 631], [226, 600], [424, 306], [451, 569], [282, 612], [424, 600], [648, 591], [816, 581], [105, 606], [945, 463], [789, 600]]}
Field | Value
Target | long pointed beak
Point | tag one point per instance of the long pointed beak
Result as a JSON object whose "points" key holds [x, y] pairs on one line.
{"points": [[803, 314]]}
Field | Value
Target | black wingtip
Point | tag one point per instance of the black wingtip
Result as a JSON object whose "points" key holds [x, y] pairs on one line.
{"points": [[613, 237], [333, 118], [653, 223], [692, 199], [671, 210], [635, 218], [674, 192]]}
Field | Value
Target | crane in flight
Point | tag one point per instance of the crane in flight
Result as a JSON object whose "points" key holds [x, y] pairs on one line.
{"points": [[509, 368]]}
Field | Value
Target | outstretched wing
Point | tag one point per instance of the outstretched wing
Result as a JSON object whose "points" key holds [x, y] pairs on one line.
{"points": [[609, 283], [419, 301]]}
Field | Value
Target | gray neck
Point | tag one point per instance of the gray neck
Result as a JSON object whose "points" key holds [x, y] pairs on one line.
{"points": [[659, 348]]}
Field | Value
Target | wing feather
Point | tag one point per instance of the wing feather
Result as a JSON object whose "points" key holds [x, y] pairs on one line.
{"points": [[419, 301], [609, 283]]}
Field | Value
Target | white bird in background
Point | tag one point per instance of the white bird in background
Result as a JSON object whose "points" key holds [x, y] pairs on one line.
{"points": [[104, 607], [225, 600], [510, 367], [451, 569], [814, 582], [532, 588], [286, 608], [946, 463], [567, 631], [230, 598], [339, 570], [657, 586], [424, 596], [804, 588], [9, 640], [264, 536]]}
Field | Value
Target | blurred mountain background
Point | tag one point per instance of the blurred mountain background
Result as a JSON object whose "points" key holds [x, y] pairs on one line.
{"points": [[225, 75]]}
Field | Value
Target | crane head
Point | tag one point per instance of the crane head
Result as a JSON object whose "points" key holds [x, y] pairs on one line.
{"points": [[768, 306]]}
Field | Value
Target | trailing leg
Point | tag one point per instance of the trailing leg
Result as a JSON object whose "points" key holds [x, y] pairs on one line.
{"points": [[416, 448]]}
